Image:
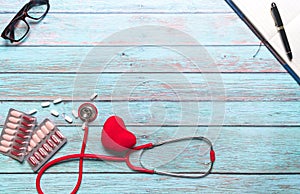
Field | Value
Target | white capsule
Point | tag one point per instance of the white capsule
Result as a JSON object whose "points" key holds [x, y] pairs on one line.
{"points": [[16, 114], [32, 112], [75, 114], [45, 104], [57, 101], [54, 113], [93, 97], [68, 119]]}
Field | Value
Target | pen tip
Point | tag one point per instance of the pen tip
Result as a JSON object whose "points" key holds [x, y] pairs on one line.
{"points": [[290, 56]]}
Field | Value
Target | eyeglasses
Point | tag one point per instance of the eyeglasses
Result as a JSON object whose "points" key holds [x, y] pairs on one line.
{"points": [[18, 27]]}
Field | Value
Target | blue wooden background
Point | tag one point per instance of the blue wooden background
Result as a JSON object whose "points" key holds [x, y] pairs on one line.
{"points": [[257, 146]]}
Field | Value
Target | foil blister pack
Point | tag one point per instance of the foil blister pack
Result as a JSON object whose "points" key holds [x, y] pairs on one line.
{"points": [[16, 134]]}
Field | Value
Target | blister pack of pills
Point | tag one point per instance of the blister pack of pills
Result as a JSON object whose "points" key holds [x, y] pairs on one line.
{"points": [[46, 141], [16, 134]]}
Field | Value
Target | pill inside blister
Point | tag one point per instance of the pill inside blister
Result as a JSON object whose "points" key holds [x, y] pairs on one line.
{"points": [[68, 119], [55, 139], [28, 119], [14, 120], [32, 143], [45, 104], [10, 131], [11, 125], [57, 101], [37, 156], [33, 160], [40, 134], [42, 152], [36, 138], [46, 147], [8, 137], [24, 130], [50, 143], [16, 113], [6, 143], [59, 135], [4, 149], [45, 130], [50, 125]]}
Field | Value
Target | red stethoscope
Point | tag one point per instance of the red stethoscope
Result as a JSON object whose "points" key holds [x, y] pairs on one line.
{"points": [[88, 112]]}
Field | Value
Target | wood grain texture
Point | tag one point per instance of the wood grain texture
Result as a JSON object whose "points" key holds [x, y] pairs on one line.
{"points": [[175, 113], [238, 150], [118, 183], [159, 92], [93, 29], [155, 6], [144, 58], [151, 87]]}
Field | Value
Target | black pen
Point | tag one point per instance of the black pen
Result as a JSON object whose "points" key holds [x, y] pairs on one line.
{"points": [[280, 29]]}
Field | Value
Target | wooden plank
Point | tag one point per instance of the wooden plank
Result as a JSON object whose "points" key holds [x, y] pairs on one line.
{"points": [[176, 113], [143, 58], [150, 87], [125, 6], [137, 183], [129, 29], [238, 150]]}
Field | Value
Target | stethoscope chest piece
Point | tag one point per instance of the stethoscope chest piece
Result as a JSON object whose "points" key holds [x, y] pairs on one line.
{"points": [[87, 112]]}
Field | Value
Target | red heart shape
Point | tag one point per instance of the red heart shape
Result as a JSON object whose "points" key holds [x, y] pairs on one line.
{"points": [[115, 136]]}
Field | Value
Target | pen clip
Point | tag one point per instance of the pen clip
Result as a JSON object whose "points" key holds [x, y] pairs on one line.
{"points": [[276, 16]]}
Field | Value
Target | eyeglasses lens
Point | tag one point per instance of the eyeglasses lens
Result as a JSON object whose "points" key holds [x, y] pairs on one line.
{"points": [[18, 30], [37, 11]]}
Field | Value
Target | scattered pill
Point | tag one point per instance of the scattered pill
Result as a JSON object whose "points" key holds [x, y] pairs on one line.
{"points": [[40, 134], [45, 104], [68, 119], [50, 125], [57, 101], [6, 143], [8, 137], [36, 138], [11, 125], [16, 113], [54, 113], [4, 149], [93, 97], [32, 112], [45, 130], [14, 120], [10, 131], [75, 114]]}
